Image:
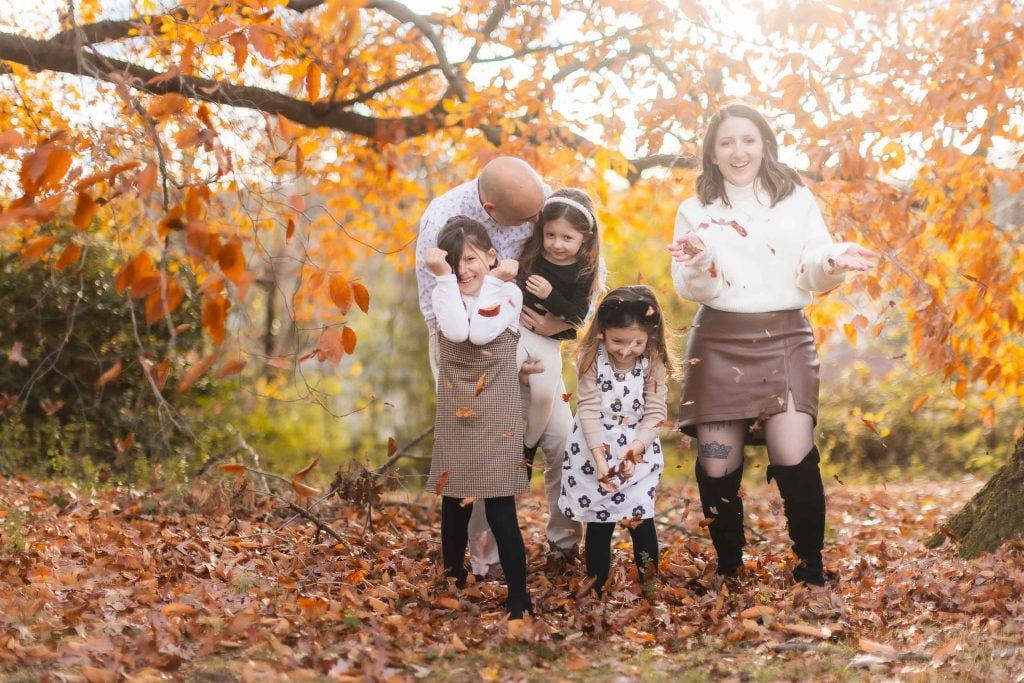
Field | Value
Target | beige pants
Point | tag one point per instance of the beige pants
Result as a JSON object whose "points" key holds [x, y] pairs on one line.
{"points": [[561, 532]]}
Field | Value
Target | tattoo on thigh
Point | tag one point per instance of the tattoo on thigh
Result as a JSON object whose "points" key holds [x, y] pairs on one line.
{"points": [[714, 450]]}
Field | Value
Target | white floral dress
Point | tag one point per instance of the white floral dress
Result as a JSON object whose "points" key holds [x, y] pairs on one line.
{"points": [[583, 499]]}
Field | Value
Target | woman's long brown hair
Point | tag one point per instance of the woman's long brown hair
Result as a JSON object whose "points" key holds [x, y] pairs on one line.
{"points": [[774, 177]]}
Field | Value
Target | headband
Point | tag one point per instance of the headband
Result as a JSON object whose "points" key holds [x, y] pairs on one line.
{"points": [[587, 213]]}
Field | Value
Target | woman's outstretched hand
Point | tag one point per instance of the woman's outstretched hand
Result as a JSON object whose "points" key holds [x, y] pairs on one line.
{"points": [[857, 258], [687, 249]]}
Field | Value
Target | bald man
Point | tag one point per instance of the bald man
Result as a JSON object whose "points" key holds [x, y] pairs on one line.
{"points": [[506, 199]]}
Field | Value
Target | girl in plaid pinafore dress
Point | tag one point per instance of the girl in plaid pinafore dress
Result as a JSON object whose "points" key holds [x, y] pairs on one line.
{"points": [[478, 433], [613, 458]]}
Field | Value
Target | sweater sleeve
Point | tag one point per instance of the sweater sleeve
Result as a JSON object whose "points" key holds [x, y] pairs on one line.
{"points": [[655, 404], [818, 270], [497, 307], [700, 281], [588, 407], [449, 310], [572, 308]]}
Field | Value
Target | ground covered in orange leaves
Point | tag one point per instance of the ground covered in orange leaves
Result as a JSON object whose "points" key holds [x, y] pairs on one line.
{"points": [[224, 583]]}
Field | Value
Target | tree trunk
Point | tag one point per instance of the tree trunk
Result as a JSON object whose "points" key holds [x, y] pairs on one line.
{"points": [[994, 515]]}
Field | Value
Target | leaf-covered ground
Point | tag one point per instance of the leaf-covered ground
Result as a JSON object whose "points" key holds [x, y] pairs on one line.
{"points": [[224, 584]]}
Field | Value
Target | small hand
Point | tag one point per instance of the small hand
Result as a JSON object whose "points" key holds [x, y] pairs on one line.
{"points": [[687, 249], [435, 260], [530, 366], [538, 286], [506, 270], [857, 258], [543, 324]]}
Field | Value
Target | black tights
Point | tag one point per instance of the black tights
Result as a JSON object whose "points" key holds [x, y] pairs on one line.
{"points": [[502, 518], [598, 550]]}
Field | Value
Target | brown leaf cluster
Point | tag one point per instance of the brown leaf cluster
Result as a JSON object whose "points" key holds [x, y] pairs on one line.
{"points": [[134, 584]]}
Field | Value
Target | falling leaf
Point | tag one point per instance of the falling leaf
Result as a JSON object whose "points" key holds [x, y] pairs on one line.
{"points": [[392, 446], [110, 374], [230, 368], [16, 356], [70, 255], [442, 481], [193, 374], [481, 382], [489, 312], [464, 412], [234, 468], [918, 402], [566, 397], [466, 502], [870, 425], [51, 407], [630, 522], [841, 482]]}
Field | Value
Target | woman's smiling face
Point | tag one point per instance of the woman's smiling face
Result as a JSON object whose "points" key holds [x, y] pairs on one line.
{"points": [[738, 150]]}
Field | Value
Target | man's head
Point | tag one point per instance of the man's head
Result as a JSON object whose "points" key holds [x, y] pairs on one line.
{"points": [[510, 191]]}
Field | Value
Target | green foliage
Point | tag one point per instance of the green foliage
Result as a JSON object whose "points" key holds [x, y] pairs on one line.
{"points": [[867, 426], [62, 331], [13, 532]]}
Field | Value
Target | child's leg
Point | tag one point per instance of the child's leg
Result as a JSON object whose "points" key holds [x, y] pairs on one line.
{"points": [[597, 550], [645, 549], [454, 537], [543, 385], [501, 515]]}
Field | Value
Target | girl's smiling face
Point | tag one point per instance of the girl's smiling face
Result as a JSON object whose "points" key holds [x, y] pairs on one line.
{"points": [[738, 150], [625, 345], [562, 242], [473, 266]]}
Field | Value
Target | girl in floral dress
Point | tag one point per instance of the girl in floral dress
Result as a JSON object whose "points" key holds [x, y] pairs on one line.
{"points": [[613, 457]]}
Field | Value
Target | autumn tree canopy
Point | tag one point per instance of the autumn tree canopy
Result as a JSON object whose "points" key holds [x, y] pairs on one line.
{"points": [[276, 143]]}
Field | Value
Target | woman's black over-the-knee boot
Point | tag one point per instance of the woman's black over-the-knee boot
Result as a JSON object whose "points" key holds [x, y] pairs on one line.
{"points": [[720, 501], [803, 498]]}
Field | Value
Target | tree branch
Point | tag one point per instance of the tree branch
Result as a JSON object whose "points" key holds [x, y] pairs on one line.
{"points": [[43, 55]]}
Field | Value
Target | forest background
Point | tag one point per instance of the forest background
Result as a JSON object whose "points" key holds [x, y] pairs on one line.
{"points": [[208, 212]]}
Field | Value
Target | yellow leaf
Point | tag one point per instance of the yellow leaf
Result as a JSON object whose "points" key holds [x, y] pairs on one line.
{"points": [[851, 333]]}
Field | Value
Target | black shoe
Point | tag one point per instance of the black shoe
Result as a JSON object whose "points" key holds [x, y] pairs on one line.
{"points": [[803, 499], [529, 453], [721, 503]]}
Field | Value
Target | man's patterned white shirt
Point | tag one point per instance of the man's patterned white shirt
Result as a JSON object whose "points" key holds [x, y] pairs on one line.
{"points": [[463, 200]]}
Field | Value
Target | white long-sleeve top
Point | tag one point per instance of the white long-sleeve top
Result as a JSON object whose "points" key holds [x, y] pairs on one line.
{"points": [[757, 258], [460, 317]]}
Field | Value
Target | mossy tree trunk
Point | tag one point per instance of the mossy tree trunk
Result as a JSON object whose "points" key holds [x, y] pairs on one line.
{"points": [[994, 515]]}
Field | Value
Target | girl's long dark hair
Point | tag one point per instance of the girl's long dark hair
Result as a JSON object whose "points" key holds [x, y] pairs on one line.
{"points": [[590, 249], [457, 233], [774, 177], [625, 307]]}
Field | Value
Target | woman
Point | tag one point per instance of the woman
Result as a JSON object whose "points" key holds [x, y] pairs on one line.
{"points": [[751, 248]]}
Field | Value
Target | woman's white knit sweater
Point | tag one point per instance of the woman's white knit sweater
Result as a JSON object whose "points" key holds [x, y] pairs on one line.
{"points": [[757, 258]]}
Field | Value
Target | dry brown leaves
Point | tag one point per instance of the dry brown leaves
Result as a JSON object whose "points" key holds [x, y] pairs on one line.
{"points": [[127, 584]]}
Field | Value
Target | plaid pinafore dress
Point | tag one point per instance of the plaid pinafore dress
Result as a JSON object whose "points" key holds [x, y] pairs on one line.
{"points": [[478, 428]]}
